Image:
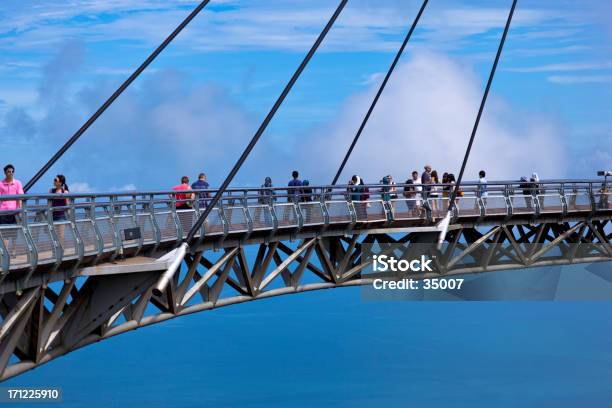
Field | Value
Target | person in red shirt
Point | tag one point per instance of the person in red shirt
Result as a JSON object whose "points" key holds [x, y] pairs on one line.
{"points": [[183, 200]]}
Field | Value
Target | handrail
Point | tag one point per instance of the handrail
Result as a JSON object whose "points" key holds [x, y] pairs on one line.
{"points": [[327, 189]]}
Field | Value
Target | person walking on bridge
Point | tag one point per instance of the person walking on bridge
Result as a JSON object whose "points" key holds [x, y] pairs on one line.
{"points": [[202, 184], [481, 190]]}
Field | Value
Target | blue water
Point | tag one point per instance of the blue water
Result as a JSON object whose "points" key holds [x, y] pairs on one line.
{"points": [[331, 348]]}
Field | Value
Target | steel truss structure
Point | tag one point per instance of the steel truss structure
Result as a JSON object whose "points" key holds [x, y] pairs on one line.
{"points": [[48, 321]]}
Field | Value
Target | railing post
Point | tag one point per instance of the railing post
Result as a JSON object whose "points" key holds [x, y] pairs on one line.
{"points": [[96, 229], [5, 259], [299, 215], [352, 211], [135, 220], [80, 245], [481, 207], [156, 229], [389, 209], [175, 218], [536, 204], [58, 249], [324, 208], [245, 206], [428, 210], [592, 198], [507, 191], [222, 217], [274, 217], [564, 204], [111, 216], [32, 251]]}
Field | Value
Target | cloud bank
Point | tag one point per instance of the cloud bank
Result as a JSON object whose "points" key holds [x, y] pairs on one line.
{"points": [[426, 116], [163, 129]]}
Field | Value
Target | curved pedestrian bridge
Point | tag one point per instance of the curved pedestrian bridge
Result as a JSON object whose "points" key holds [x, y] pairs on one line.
{"points": [[70, 283]]}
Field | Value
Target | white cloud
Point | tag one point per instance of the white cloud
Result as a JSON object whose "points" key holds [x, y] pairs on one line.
{"points": [[127, 187], [425, 116], [274, 24], [565, 67], [579, 79], [81, 187]]}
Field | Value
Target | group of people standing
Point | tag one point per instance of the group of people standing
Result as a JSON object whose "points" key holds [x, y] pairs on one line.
{"points": [[418, 188], [185, 200], [11, 186]]}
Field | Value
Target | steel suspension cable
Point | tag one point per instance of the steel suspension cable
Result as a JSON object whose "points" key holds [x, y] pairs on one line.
{"points": [[453, 197], [380, 91], [115, 95], [482, 106], [264, 124]]}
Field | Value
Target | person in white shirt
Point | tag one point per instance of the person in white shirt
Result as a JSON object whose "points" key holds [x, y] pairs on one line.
{"points": [[482, 187], [435, 192], [416, 180]]}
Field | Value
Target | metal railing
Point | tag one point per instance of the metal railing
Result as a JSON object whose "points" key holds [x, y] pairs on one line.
{"points": [[96, 225]]}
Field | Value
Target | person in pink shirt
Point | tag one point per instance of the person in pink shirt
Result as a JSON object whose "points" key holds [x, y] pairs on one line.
{"points": [[9, 186]]}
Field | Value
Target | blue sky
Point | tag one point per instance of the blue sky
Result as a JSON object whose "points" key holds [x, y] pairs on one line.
{"points": [[201, 101]]}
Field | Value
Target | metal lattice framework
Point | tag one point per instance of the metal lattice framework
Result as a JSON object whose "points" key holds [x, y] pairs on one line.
{"points": [[48, 321]]}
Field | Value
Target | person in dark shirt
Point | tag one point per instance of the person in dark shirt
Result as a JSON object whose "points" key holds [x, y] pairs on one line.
{"points": [[266, 194], [306, 191], [293, 194], [59, 187], [527, 189], [59, 215], [426, 181], [202, 184], [265, 197]]}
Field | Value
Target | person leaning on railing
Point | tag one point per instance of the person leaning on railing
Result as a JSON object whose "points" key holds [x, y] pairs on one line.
{"points": [[183, 200], [385, 195]]}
